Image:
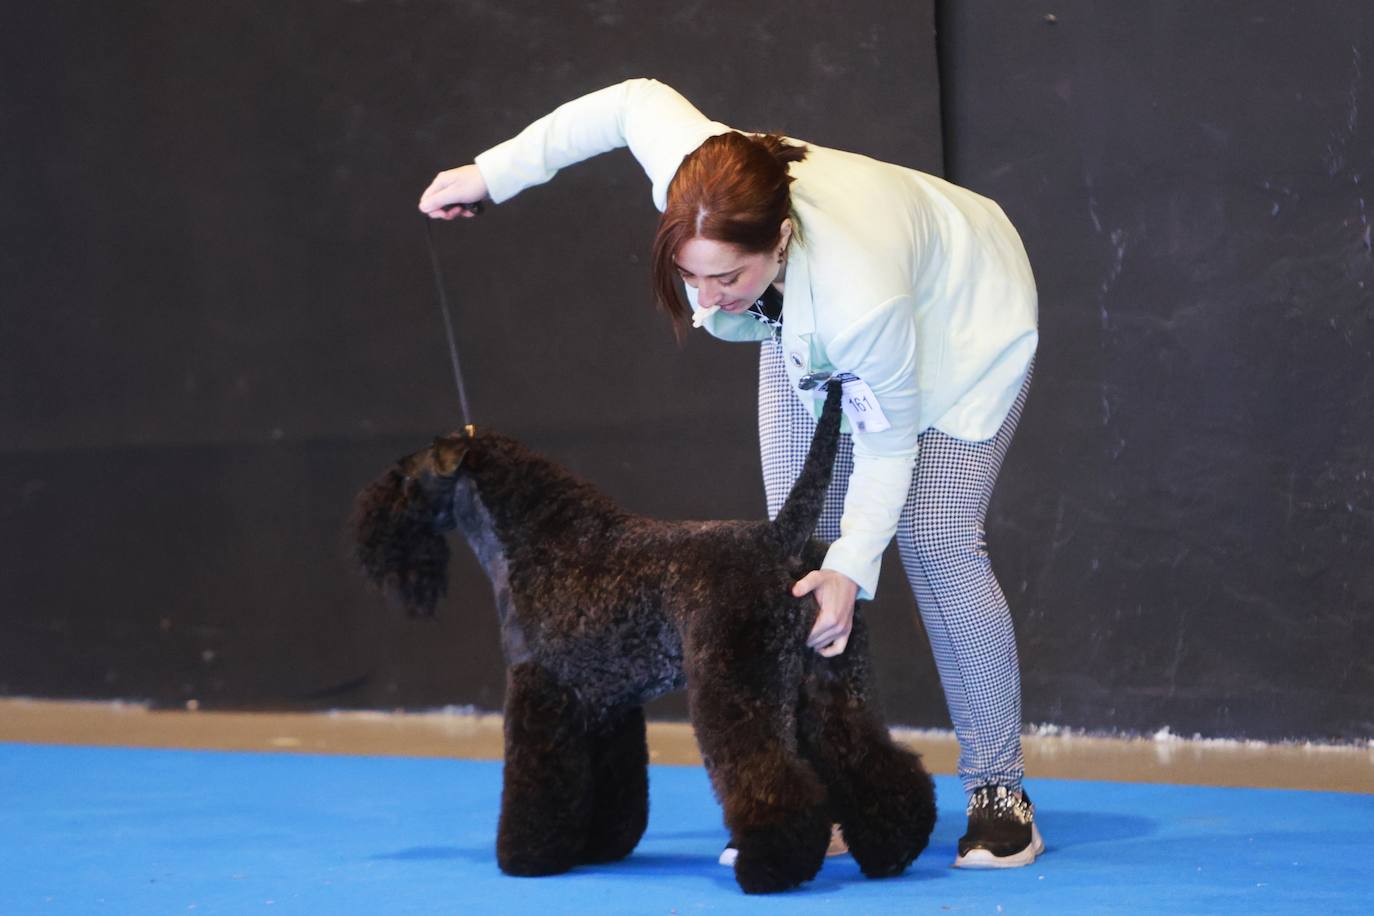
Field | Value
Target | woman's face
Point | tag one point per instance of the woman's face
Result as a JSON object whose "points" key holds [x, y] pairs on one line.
{"points": [[726, 276]]}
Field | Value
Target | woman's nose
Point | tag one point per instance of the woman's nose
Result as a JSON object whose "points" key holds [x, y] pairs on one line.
{"points": [[709, 294]]}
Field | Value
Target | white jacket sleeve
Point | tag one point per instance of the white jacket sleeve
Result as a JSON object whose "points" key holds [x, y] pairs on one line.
{"points": [[658, 125], [881, 350]]}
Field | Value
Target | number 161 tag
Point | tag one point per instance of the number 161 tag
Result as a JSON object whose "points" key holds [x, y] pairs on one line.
{"points": [[861, 406]]}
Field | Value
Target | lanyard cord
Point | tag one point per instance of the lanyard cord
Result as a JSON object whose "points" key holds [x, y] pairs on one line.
{"points": [[448, 320]]}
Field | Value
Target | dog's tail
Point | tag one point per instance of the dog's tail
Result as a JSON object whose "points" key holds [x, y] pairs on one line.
{"points": [[796, 520]]}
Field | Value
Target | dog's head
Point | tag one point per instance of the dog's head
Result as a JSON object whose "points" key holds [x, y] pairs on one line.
{"points": [[400, 520], [427, 477], [443, 459]]}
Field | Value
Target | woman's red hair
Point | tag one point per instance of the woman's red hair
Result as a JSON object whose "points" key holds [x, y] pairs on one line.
{"points": [[733, 189]]}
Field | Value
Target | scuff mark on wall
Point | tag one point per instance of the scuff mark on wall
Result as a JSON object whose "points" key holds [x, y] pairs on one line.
{"points": [[1104, 291]]}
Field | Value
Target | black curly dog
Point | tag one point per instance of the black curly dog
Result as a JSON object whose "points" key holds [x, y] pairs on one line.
{"points": [[602, 611]]}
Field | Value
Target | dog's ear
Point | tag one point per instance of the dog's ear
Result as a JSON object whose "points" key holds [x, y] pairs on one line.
{"points": [[449, 452]]}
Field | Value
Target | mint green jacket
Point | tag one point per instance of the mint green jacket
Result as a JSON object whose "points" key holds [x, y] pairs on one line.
{"points": [[917, 286]]}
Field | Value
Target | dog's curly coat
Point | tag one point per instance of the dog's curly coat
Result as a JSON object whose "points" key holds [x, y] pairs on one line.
{"points": [[602, 611]]}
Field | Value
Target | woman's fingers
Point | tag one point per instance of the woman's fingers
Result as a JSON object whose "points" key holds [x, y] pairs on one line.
{"points": [[834, 593], [835, 648], [429, 199], [807, 583], [453, 211], [830, 626], [453, 193], [826, 636]]}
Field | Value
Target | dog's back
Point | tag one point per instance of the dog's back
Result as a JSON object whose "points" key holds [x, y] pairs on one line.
{"points": [[540, 516]]}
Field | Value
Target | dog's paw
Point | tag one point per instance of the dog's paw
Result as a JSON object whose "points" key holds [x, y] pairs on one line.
{"points": [[888, 834], [528, 864], [884, 854], [778, 858], [611, 845]]}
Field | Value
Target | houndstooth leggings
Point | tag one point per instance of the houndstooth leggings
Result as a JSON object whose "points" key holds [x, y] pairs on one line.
{"points": [[942, 544]]}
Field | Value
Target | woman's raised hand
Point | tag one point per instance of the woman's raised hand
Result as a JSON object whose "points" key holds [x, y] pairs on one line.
{"points": [[453, 193]]}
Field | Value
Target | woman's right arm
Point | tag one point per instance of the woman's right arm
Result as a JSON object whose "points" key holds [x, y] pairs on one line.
{"points": [[658, 125]]}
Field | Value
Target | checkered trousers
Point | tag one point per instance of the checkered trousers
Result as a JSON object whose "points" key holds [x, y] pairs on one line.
{"points": [[943, 548]]}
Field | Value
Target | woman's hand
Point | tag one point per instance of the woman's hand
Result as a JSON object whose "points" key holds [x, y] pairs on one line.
{"points": [[452, 193], [835, 593]]}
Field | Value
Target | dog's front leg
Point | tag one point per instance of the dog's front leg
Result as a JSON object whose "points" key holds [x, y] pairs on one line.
{"points": [[620, 792], [547, 782], [743, 682]]}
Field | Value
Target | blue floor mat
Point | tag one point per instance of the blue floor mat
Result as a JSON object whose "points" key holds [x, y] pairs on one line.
{"points": [[101, 830]]}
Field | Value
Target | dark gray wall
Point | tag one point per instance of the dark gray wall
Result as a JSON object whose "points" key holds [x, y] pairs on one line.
{"points": [[1190, 528], [217, 322]]}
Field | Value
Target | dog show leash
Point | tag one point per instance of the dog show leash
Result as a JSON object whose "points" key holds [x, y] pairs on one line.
{"points": [[475, 209]]}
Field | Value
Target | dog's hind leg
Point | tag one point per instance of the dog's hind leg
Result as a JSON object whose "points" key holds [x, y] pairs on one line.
{"points": [[879, 792], [547, 791], [620, 788], [743, 696]]}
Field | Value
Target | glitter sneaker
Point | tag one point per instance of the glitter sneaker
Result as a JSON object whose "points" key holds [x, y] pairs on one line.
{"points": [[1001, 831]]}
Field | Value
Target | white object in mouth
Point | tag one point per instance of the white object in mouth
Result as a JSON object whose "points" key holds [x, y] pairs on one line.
{"points": [[700, 315]]}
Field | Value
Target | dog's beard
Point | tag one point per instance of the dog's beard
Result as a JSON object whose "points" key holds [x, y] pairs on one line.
{"points": [[399, 527]]}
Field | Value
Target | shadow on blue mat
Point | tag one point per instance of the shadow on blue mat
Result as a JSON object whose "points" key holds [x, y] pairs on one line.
{"points": [[89, 830], [1068, 829], [435, 854]]}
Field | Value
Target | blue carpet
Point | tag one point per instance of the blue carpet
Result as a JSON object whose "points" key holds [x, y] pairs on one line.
{"points": [[97, 830]]}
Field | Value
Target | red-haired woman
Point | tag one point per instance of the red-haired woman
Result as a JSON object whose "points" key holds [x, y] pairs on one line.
{"points": [[919, 296]]}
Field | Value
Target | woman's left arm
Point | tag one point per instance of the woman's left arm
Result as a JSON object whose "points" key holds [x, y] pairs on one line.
{"points": [[880, 349]]}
